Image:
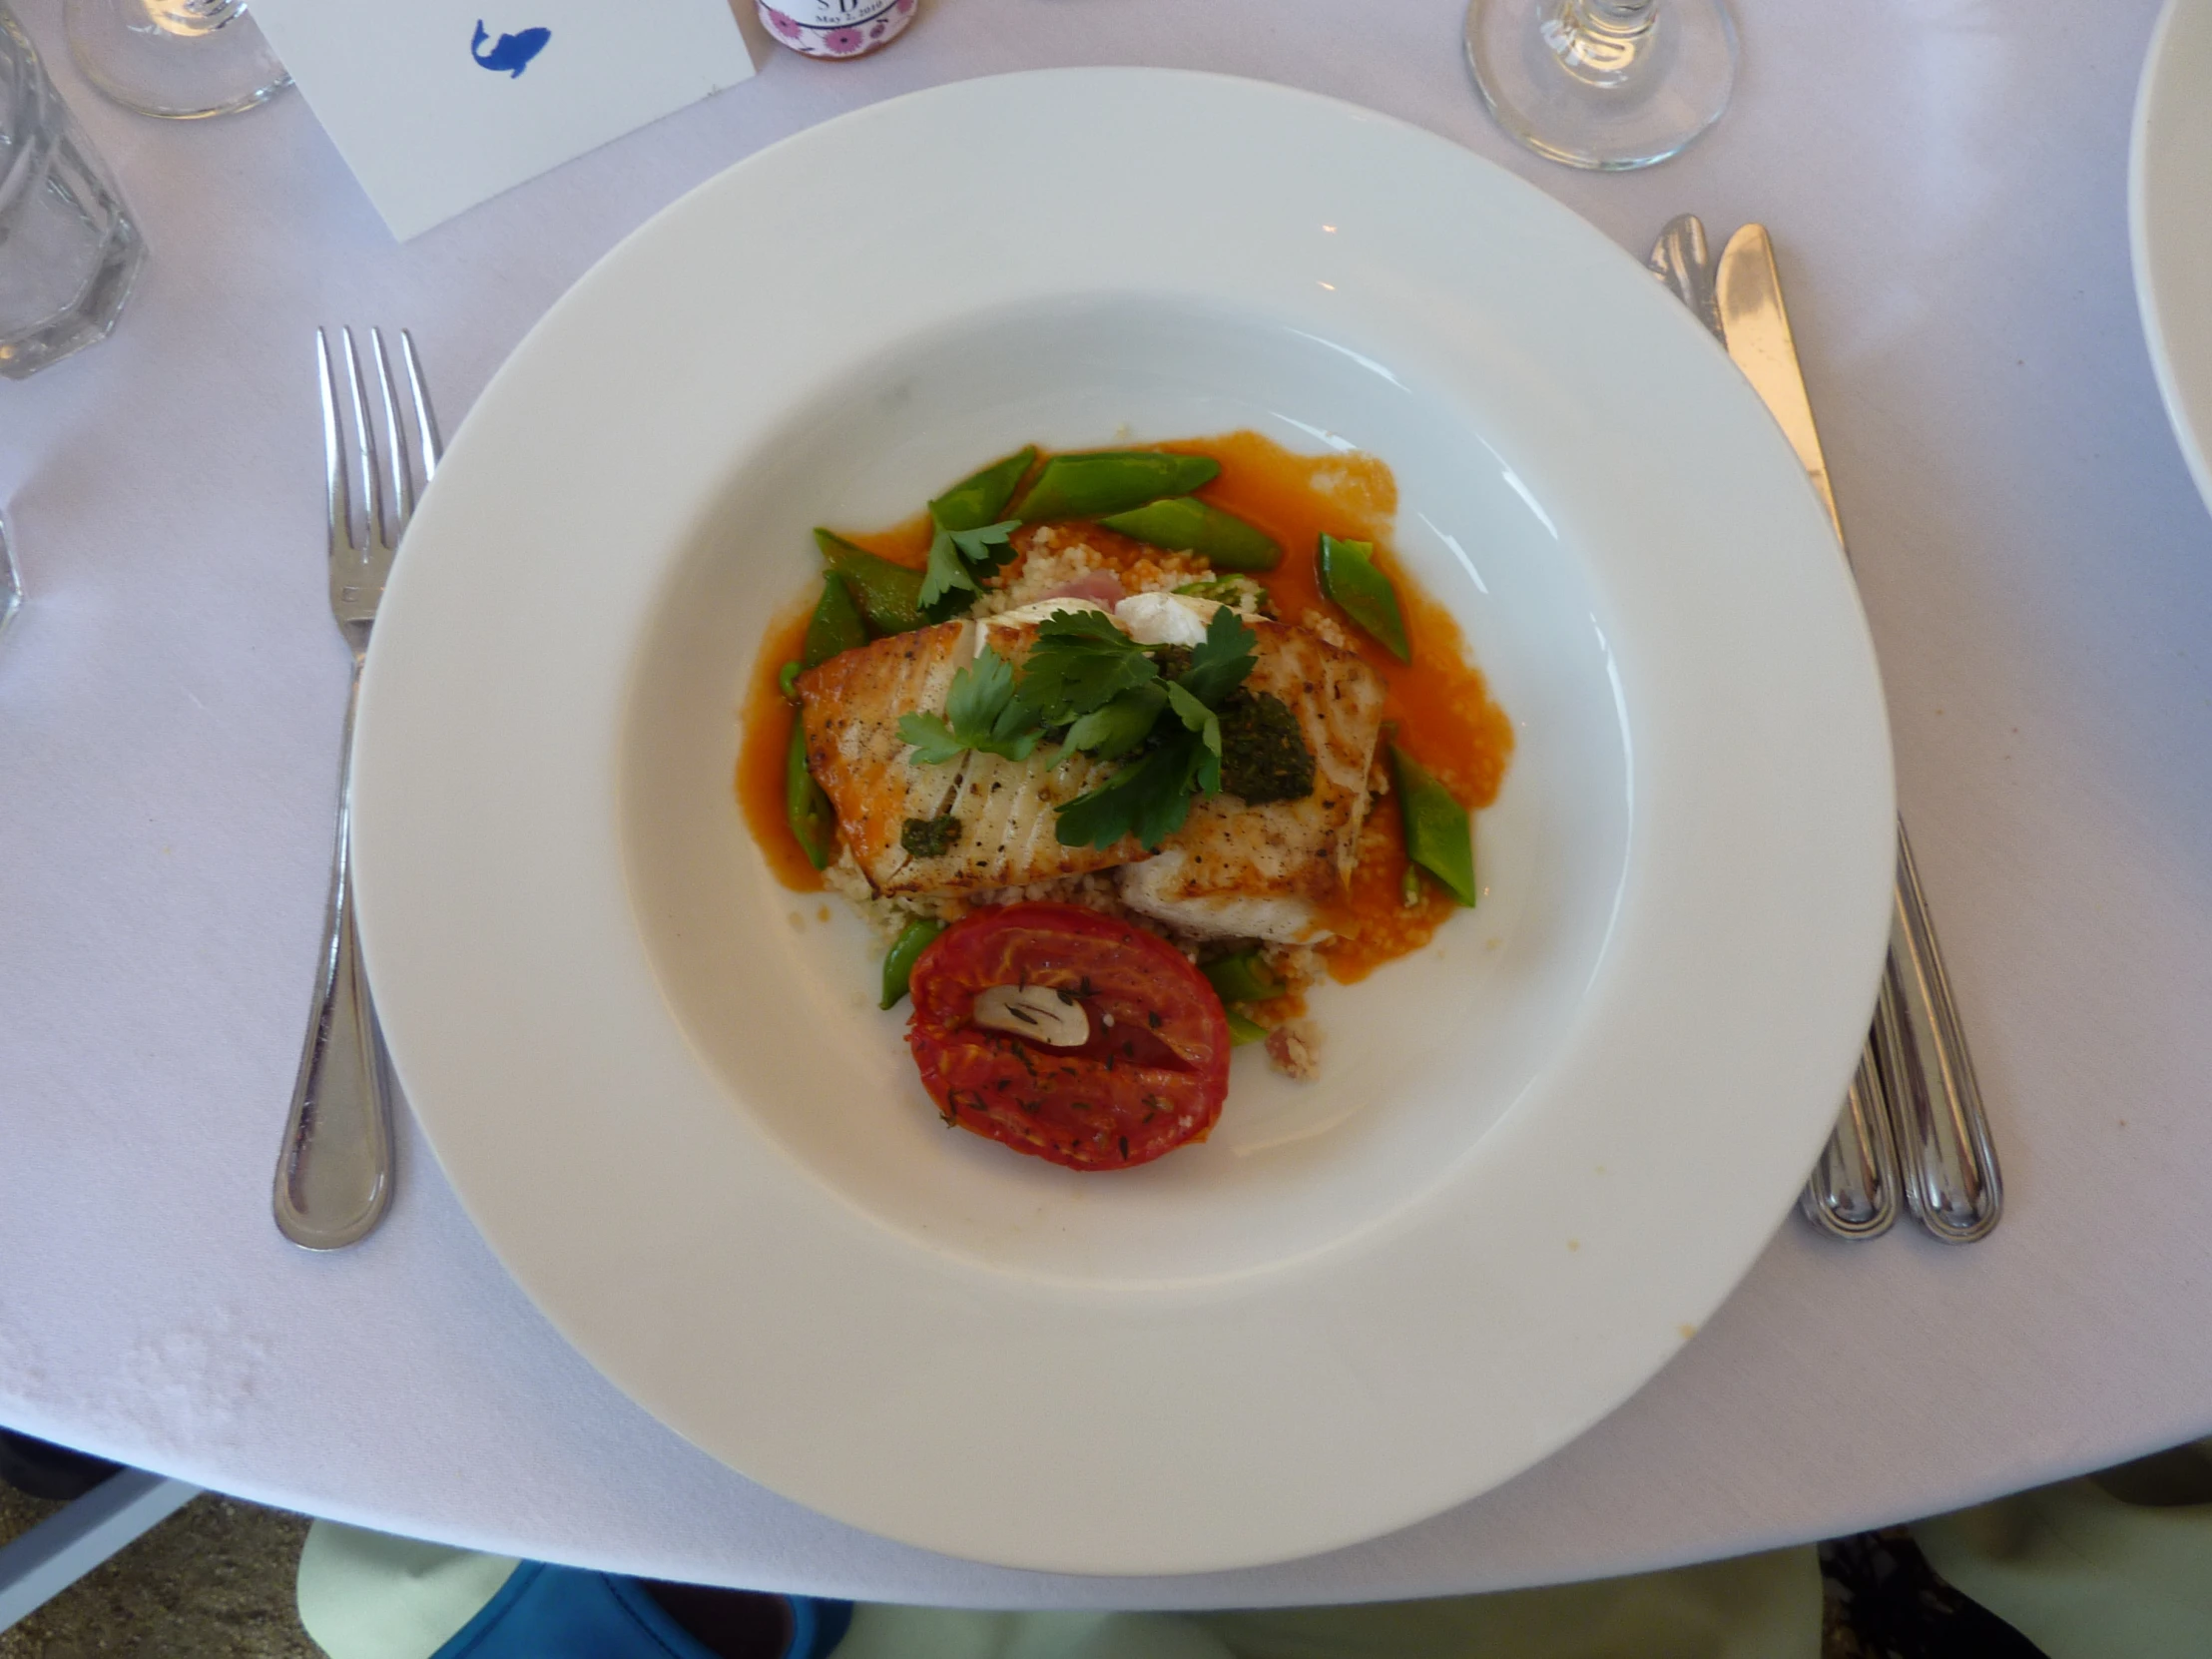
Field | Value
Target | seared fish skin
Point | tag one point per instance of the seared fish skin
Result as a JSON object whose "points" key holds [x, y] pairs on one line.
{"points": [[1008, 833]]}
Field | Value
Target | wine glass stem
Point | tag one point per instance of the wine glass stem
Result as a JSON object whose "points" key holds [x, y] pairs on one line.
{"points": [[1599, 41]]}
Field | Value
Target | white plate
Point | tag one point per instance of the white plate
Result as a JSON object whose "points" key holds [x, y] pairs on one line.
{"points": [[1544, 1150], [2169, 215]]}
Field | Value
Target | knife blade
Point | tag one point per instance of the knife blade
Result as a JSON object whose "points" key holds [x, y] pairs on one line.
{"points": [[1952, 1182], [1853, 1190], [1755, 326]]}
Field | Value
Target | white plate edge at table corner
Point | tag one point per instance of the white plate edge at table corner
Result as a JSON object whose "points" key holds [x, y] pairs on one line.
{"points": [[1509, 1131], [2183, 27]]}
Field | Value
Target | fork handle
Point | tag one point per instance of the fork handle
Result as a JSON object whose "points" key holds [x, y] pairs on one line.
{"points": [[333, 1174]]}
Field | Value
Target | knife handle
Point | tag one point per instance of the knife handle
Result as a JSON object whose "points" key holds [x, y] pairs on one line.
{"points": [[1952, 1181]]}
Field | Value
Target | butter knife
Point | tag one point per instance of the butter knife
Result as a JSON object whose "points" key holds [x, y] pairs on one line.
{"points": [[1952, 1182], [1852, 1191]]}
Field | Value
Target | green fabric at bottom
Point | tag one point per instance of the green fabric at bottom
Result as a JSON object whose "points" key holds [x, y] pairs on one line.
{"points": [[2083, 1574]]}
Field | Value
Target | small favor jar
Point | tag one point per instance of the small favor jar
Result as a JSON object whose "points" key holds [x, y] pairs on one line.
{"points": [[836, 28]]}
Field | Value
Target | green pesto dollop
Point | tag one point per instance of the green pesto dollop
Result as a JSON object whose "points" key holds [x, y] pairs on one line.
{"points": [[1264, 756]]}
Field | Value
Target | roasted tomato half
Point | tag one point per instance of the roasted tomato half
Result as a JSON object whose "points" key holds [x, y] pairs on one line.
{"points": [[1068, 1034]]}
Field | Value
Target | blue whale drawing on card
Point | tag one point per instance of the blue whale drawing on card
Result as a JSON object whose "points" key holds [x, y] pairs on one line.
{"points": [[511, 53]]}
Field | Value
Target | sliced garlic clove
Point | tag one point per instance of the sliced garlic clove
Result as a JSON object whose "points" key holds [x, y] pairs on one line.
{"points": [[1037, 1012]]}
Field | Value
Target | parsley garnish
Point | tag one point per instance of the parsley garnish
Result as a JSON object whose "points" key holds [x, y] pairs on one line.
{"points": [[957, 557], [1105, 695], [980, 713], [1220, 663], [1114, 729], [1151, 797], [1080, 662]]}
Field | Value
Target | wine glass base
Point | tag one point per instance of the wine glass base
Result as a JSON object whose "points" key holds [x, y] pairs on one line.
{"points": [[162, 59], [1677, 86]]}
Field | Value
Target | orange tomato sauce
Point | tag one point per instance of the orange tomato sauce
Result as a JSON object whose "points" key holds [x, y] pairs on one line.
{"points": [[1439, 703]]}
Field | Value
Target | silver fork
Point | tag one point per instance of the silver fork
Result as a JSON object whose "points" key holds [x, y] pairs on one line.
{"points": [[333, 1174]]}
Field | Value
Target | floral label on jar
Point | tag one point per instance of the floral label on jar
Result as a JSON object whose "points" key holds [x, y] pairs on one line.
{"points": [[836, 28]]}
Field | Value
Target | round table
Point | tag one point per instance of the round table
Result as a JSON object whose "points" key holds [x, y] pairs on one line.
{"points": [[1947, 192]]}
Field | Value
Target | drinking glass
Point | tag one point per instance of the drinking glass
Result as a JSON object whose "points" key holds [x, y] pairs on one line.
{"points": [[1609, 84], [182, 59], [68, 249]]}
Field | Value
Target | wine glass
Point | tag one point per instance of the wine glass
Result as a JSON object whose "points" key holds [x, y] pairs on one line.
{"points": [[176, 58], [1609, 84]]}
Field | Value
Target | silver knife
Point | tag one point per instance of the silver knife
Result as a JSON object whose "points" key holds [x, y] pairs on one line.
{"points": [[1952, 1182], [1852, 1191]]}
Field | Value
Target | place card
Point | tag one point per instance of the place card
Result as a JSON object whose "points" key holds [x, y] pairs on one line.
{"points": [[438, 104]]}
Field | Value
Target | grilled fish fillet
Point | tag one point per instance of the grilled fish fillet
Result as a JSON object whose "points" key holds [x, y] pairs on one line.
{"points": [[1009, 832], [1262, 873], [1233, 869]]}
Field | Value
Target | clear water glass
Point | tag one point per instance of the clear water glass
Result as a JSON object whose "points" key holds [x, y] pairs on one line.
{"points": [[68, 249]]}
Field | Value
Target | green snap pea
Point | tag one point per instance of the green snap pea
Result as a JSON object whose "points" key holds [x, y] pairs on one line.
{"points": [[786, 680], [889, 595], [1242, 1028], [1243, 977], [1184, 524], [805, 808], [837, 624], [898, 965], [1110, 481], [1440, 836], [979, 500], [1349, 579]]}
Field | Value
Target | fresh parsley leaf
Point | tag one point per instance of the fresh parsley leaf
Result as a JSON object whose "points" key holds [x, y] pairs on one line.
{"points": [[980, 713], [946, 572], [1081, 662], [980, 693], [1114, 729], [1220, 663], [932, 740], [987, 545], [958, 557], [1149, 798], [1196, 716]]}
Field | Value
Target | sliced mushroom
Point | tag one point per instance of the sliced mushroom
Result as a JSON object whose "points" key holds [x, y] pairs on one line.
{"points": [[1037, 1012]]}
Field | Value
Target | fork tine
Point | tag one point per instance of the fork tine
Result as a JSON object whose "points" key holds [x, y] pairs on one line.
{"points": [[364, 444], [427, 443], [333, 459], [403, 481]]}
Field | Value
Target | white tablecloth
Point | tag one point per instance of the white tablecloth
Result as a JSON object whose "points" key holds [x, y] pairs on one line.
{"points": [[1945, 183]]}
